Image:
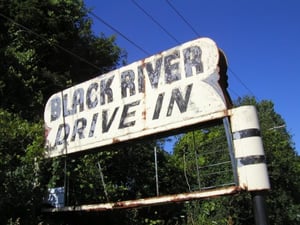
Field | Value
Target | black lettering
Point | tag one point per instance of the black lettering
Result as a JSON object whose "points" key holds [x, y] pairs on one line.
{"points": [[192, 59], [126, 114], [172, 72], [181, 103], [66, 111], [93, 125], [127, 82], [55, 108], [141, 79], [78, 128], [91, 103], [106, 125], [154, 74], [78, 100], [62, 134], [158, 106], [106, 90]]}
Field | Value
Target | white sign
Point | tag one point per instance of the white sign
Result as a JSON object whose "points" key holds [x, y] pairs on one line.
{"points": [[173, 89], [56, 197]]}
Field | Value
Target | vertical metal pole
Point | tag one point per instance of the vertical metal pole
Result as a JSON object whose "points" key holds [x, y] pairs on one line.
{"points": [[66, 191], [66, 178], [231, 149], [156, 173], [196, 161], [184, 168], [259, 208], [249, 153], [102, 180]]}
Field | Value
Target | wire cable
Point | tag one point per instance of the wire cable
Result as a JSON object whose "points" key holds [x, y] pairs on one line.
{"points": [[242, 83], [182, 17], [48, 41], [118, 32], [195, 32], [234, 92], [155, 21], [126, 38]]}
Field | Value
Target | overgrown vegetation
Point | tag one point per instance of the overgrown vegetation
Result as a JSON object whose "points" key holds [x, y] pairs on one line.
{"points": [[35, 64]]}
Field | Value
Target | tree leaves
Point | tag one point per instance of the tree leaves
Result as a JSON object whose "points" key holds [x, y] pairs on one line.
{"points": [[21, 151], [46, 46], [283, 166]]}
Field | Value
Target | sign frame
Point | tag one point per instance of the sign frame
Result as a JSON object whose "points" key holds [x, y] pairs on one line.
{"points": [[174, 89]]}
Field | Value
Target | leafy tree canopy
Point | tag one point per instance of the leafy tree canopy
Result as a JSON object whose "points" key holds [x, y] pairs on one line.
{"points": [[283, 166], [45, 47]]}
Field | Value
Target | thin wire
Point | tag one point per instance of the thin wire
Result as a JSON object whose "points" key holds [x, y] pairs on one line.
{"points": [[118, 32], [66, 176], [102, 180], [49, 42], [182, 17], [156, 171], [184, 170], [155, 21], [133, 43], [229, 138], [234, 92], [196, 160], [243, 84], [194, 30]]}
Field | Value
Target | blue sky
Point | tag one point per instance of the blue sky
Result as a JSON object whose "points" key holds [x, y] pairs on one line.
{"points": [[259, 37]]}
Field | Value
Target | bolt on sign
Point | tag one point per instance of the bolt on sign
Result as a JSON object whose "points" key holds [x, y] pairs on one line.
{"points": [[177, 88]]}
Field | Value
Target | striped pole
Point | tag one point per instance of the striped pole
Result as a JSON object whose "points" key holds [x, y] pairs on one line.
{"points": [[250, 158]]}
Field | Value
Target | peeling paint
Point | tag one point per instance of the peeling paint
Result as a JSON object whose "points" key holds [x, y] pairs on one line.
{"points": [[148, 201], [174, 89]]}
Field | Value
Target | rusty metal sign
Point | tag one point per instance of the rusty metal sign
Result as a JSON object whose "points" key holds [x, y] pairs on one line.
{"points": [[173, 89]]}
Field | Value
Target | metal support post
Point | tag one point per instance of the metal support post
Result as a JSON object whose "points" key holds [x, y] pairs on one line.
{"points": [[156, 172], [260, 208]]}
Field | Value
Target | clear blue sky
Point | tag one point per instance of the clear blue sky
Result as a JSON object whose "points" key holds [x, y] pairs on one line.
{"points": [[259, 37]]}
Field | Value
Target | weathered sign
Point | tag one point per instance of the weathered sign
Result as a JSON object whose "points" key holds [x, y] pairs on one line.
{"points": [[173, 89], [55, 197]]}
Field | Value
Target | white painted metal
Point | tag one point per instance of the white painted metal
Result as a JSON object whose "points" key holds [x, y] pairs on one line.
{"points": [[175, 88], [252, 176]]}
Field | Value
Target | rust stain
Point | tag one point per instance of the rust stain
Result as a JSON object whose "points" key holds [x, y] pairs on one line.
{"points": [[226, 112], [47, 130], [149, 201], [115, 140], [144, 114], [143, 64]]}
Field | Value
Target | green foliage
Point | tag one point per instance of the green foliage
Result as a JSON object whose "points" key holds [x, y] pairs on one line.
{"points": [[283, 166], [126, 173], [21, 150], [45, 47], [204, 158], [122, 174]]}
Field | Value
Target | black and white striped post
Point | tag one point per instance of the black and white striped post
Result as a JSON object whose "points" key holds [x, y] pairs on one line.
{"points": [[250, 158]]}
